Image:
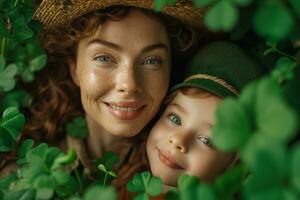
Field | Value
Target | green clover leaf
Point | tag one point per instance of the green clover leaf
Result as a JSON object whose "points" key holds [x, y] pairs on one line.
{"points": [[296, 6], [23, 149], [295, 166], [277, 28], [283, 69], [109, 159], [3, 29], [229, 133], [7, 74], [145, 184], [222, 17], [36, 64], [77, 128], [11, 123], [20, 30], [269, 102], [100, 193], [16, 98]]}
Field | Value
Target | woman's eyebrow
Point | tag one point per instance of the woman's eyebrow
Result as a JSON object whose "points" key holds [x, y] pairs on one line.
{"points": [[105, 43], [119, 48], [155, 46]]}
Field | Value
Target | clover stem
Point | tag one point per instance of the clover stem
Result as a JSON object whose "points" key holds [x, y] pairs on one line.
{"points": [[285, 54], [16, 3], [79, 179], [104, 182], [3, 46]]}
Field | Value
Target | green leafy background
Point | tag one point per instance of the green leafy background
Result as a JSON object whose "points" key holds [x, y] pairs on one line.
{"points": [[262, 124]]}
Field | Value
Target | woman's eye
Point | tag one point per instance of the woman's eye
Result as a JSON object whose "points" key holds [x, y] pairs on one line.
{"points": [[152, 61], [174, 119], [206, 141], [103, 59]]}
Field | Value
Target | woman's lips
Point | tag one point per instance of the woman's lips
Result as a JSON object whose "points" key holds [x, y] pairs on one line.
{"points": [[125, 110], [168, 160]]}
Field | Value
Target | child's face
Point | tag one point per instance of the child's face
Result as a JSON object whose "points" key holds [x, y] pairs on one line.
{"points": [[180, 142]]}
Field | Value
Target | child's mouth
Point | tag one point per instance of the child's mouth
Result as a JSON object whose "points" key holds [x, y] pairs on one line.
{"points": [[168, 160]]}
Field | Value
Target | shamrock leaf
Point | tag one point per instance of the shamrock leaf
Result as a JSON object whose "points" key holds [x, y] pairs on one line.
{"points": [[283, 69], [230, 134], [296, 6], [7, 81], [109, 159], [23, 149], [16, 98], [77, 128], [145, 184], [187, 181], [63, 160], [295, 166], [223, 16], [3, 29], [277, 28], [38, 63], [20, 30], [100, 193], [278, 126], [11, 123]]}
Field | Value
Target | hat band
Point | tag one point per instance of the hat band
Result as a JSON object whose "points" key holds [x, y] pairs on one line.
{"points": [[214, 79]]}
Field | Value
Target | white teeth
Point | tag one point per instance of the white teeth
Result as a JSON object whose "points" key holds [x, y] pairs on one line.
{"points": [[126, 109]]}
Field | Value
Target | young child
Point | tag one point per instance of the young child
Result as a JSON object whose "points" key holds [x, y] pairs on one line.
{"points": [[180, 141]]}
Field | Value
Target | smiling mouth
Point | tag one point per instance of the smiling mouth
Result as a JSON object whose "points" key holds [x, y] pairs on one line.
{"points": [[167, 160], [125, 110]]}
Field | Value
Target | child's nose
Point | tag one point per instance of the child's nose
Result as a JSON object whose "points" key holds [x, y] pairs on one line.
{"points": [[178, 141]]}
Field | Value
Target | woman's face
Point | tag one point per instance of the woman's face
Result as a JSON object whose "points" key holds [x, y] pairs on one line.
{"points": [[123, 73]]}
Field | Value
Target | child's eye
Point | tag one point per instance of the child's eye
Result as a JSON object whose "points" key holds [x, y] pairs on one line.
{"points": [[174, 119], [152, 61], [206, 141], [103, 59]]}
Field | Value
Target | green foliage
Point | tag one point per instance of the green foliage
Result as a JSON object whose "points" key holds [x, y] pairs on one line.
{"points": [[7, 81], [144, 184], [101, 193], [43, 172], [222, 16], [260, 126], [280, 25], [256, 116], [16, 98], [11, 123], [77, 128]]}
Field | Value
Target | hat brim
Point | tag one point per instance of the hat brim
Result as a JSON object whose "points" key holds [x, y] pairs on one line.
{"points": [[207, 85], [52, 14]]}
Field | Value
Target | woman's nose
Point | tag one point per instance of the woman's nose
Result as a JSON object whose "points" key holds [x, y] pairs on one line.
{"points": [[127, 80], [179, 142]]}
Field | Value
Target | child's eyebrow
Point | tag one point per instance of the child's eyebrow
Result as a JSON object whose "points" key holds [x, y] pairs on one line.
{"points": [[178, 107]]}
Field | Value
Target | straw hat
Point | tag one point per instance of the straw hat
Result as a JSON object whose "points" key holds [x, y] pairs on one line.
{"points": [[56, 13]]}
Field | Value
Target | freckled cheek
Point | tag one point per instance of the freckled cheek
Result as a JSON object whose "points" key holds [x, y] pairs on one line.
{"points": [[94, 84], [159, 134], [157, 87]]}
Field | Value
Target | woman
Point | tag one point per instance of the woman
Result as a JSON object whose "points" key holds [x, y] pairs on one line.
{"points": [[110, 62]]}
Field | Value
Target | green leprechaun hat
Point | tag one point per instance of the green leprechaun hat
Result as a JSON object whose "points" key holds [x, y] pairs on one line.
{"points": [[221, 68]]}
